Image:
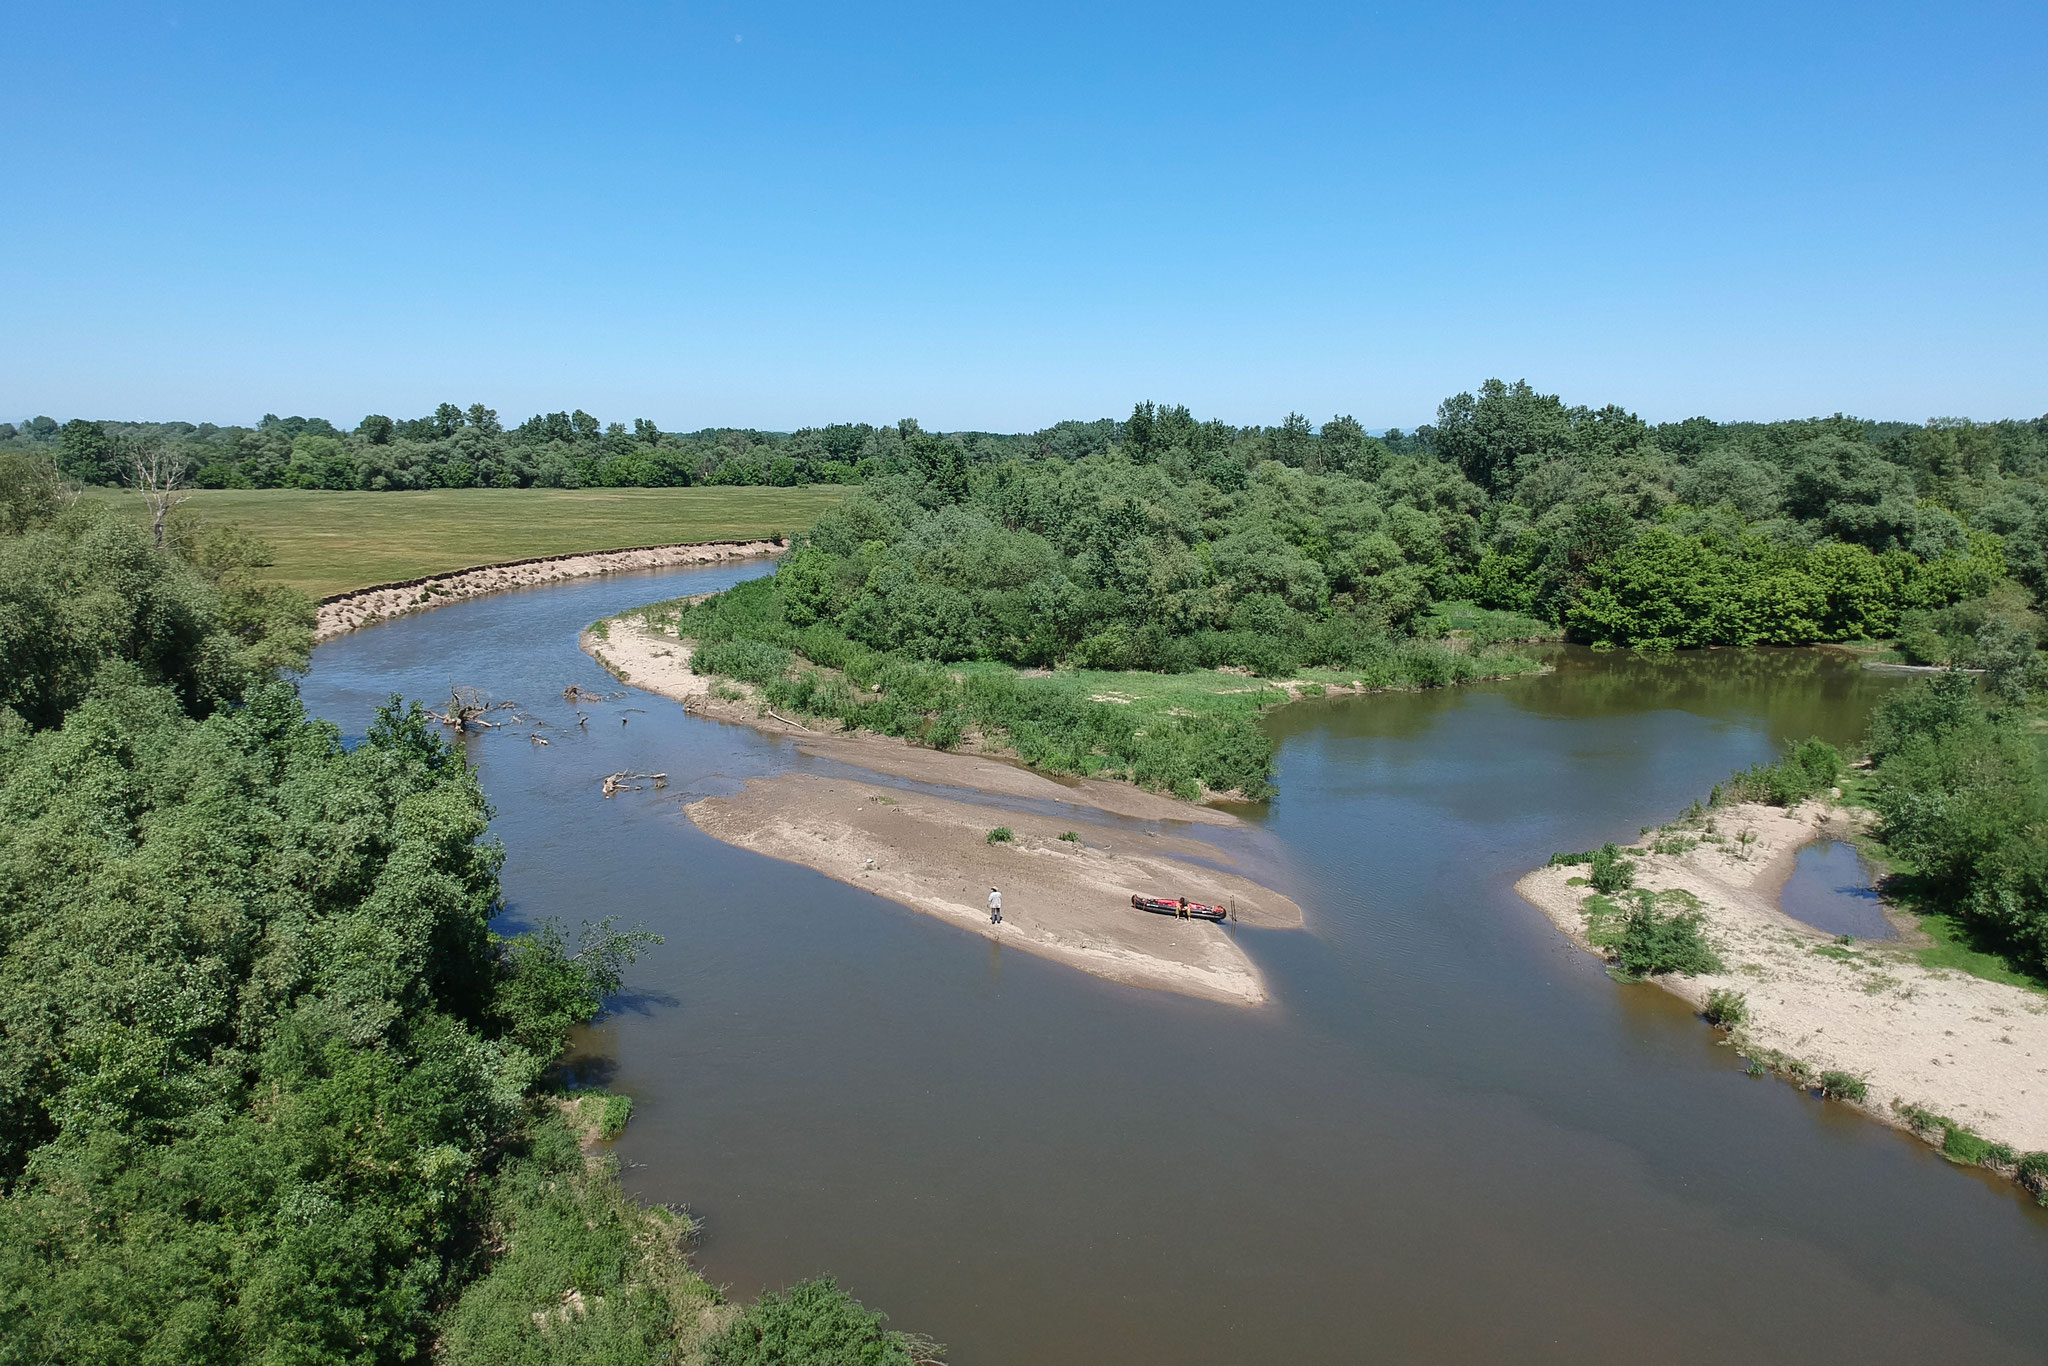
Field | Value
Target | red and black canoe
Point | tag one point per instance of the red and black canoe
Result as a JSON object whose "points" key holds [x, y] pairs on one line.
{"points": [[1165, 905]]}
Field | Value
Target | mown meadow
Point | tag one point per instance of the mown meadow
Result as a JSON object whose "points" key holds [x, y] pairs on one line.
{"points": [[330, 542]]}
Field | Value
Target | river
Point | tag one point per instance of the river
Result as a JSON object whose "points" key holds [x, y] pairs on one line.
{"points": [[1450, 1138]]}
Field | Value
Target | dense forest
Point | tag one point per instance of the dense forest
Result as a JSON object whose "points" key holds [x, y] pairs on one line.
{"points": [[1617, 530], [271, 1087], [1179, 546]]}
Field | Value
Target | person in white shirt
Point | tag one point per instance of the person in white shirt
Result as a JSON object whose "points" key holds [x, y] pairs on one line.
{"points": [[995, 907]]}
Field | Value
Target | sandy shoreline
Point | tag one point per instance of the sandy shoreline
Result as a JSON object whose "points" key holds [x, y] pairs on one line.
{"points": [[1972, 1050], [1065, 900], [344, 612]]}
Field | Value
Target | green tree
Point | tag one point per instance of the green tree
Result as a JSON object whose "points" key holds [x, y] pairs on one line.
{"points": [[87, 454]]}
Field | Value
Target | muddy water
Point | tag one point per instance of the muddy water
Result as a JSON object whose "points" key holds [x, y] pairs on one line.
{"points": [[1451, 1139]]}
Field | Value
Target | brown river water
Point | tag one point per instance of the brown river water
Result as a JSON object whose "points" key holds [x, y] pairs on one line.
{"points": [[1450, 1138]]}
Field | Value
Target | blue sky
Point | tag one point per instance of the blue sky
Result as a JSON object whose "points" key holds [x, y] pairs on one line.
{"points": [[996, 217]]}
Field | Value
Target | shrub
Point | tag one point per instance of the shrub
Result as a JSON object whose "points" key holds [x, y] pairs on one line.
{"points": [[611, 1121], [1070, 836], [750, 661], [1610, 872], [1727, 1008], [1652, 944], [814, 1323], [1843, 1086], [1808, 768], [2032, 1171], [1002, 834], [1960, 1143]]}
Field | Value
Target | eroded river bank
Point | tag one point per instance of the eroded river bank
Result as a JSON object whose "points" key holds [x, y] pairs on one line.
{"points": [[1449, 1136]]}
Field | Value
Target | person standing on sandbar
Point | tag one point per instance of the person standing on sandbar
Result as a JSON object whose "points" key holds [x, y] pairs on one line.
{"points": [[995, 907]]}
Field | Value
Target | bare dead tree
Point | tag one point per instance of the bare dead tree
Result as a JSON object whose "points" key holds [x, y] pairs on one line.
{"points": [[160, 474], [468, 709]]}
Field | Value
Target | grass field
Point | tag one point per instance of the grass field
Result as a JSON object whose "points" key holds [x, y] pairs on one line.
{"points": [[331, 542]]}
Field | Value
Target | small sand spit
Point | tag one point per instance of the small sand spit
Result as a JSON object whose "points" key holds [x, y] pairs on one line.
{"points": [[1972, 1050], [344, 612], [1064, 900]]}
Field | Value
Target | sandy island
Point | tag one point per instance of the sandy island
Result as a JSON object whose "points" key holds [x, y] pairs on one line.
{"points": [[1972, 1050], [344, 612], [1066, 900]]}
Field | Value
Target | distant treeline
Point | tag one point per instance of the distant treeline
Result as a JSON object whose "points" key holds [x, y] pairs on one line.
{"points": [[1161, 540]]}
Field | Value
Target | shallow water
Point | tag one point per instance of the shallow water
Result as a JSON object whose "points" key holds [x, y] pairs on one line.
{"points": [[1831, 889], [1451, 1138]]}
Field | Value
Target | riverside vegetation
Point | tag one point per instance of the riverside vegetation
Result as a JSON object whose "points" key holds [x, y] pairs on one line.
{"points": [[270, 1086], [1959, 791], [274, 1089], [1619, 531]]}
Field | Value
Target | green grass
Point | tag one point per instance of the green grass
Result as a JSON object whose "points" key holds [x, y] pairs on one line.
{"points": [[1150, 696], [1493, 624], [328, 543], [1208, 692], [1955, 949]]}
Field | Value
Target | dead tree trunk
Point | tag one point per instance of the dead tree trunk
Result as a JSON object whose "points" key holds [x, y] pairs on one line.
{"points": [[160, 474]]}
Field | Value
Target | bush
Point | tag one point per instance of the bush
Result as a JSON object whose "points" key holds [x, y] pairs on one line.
{"points": [[1002, 834], [611, 1121], [814, 1323], [1843, 1086], [1960, 1143], [1070, 836], [1610, 872], [750, 661], [1727, 1008], [1965, 1145], [1808, 769], [1652, 944], [2032, 1171]]}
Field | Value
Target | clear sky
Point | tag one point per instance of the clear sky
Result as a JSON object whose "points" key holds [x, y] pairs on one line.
{"points": [[996, 216]]}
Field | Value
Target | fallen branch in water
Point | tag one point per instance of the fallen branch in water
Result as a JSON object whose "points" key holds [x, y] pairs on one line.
{"points": [[467, 708], [618, 782]]}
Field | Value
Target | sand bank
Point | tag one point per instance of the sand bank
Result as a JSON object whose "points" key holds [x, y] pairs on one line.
{"points": [[1064, 900], [1067, 900], [660, 663], [1972, 1050], [344, 612]]}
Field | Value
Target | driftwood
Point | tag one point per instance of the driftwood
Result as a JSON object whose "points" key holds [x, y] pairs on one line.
{"points": [[576, 696], [620, 782], [468, 708], [786, 721]]}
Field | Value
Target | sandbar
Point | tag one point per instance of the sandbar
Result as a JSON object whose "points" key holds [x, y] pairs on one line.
{"points": [[1973, 1050], [1065, 900]]}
